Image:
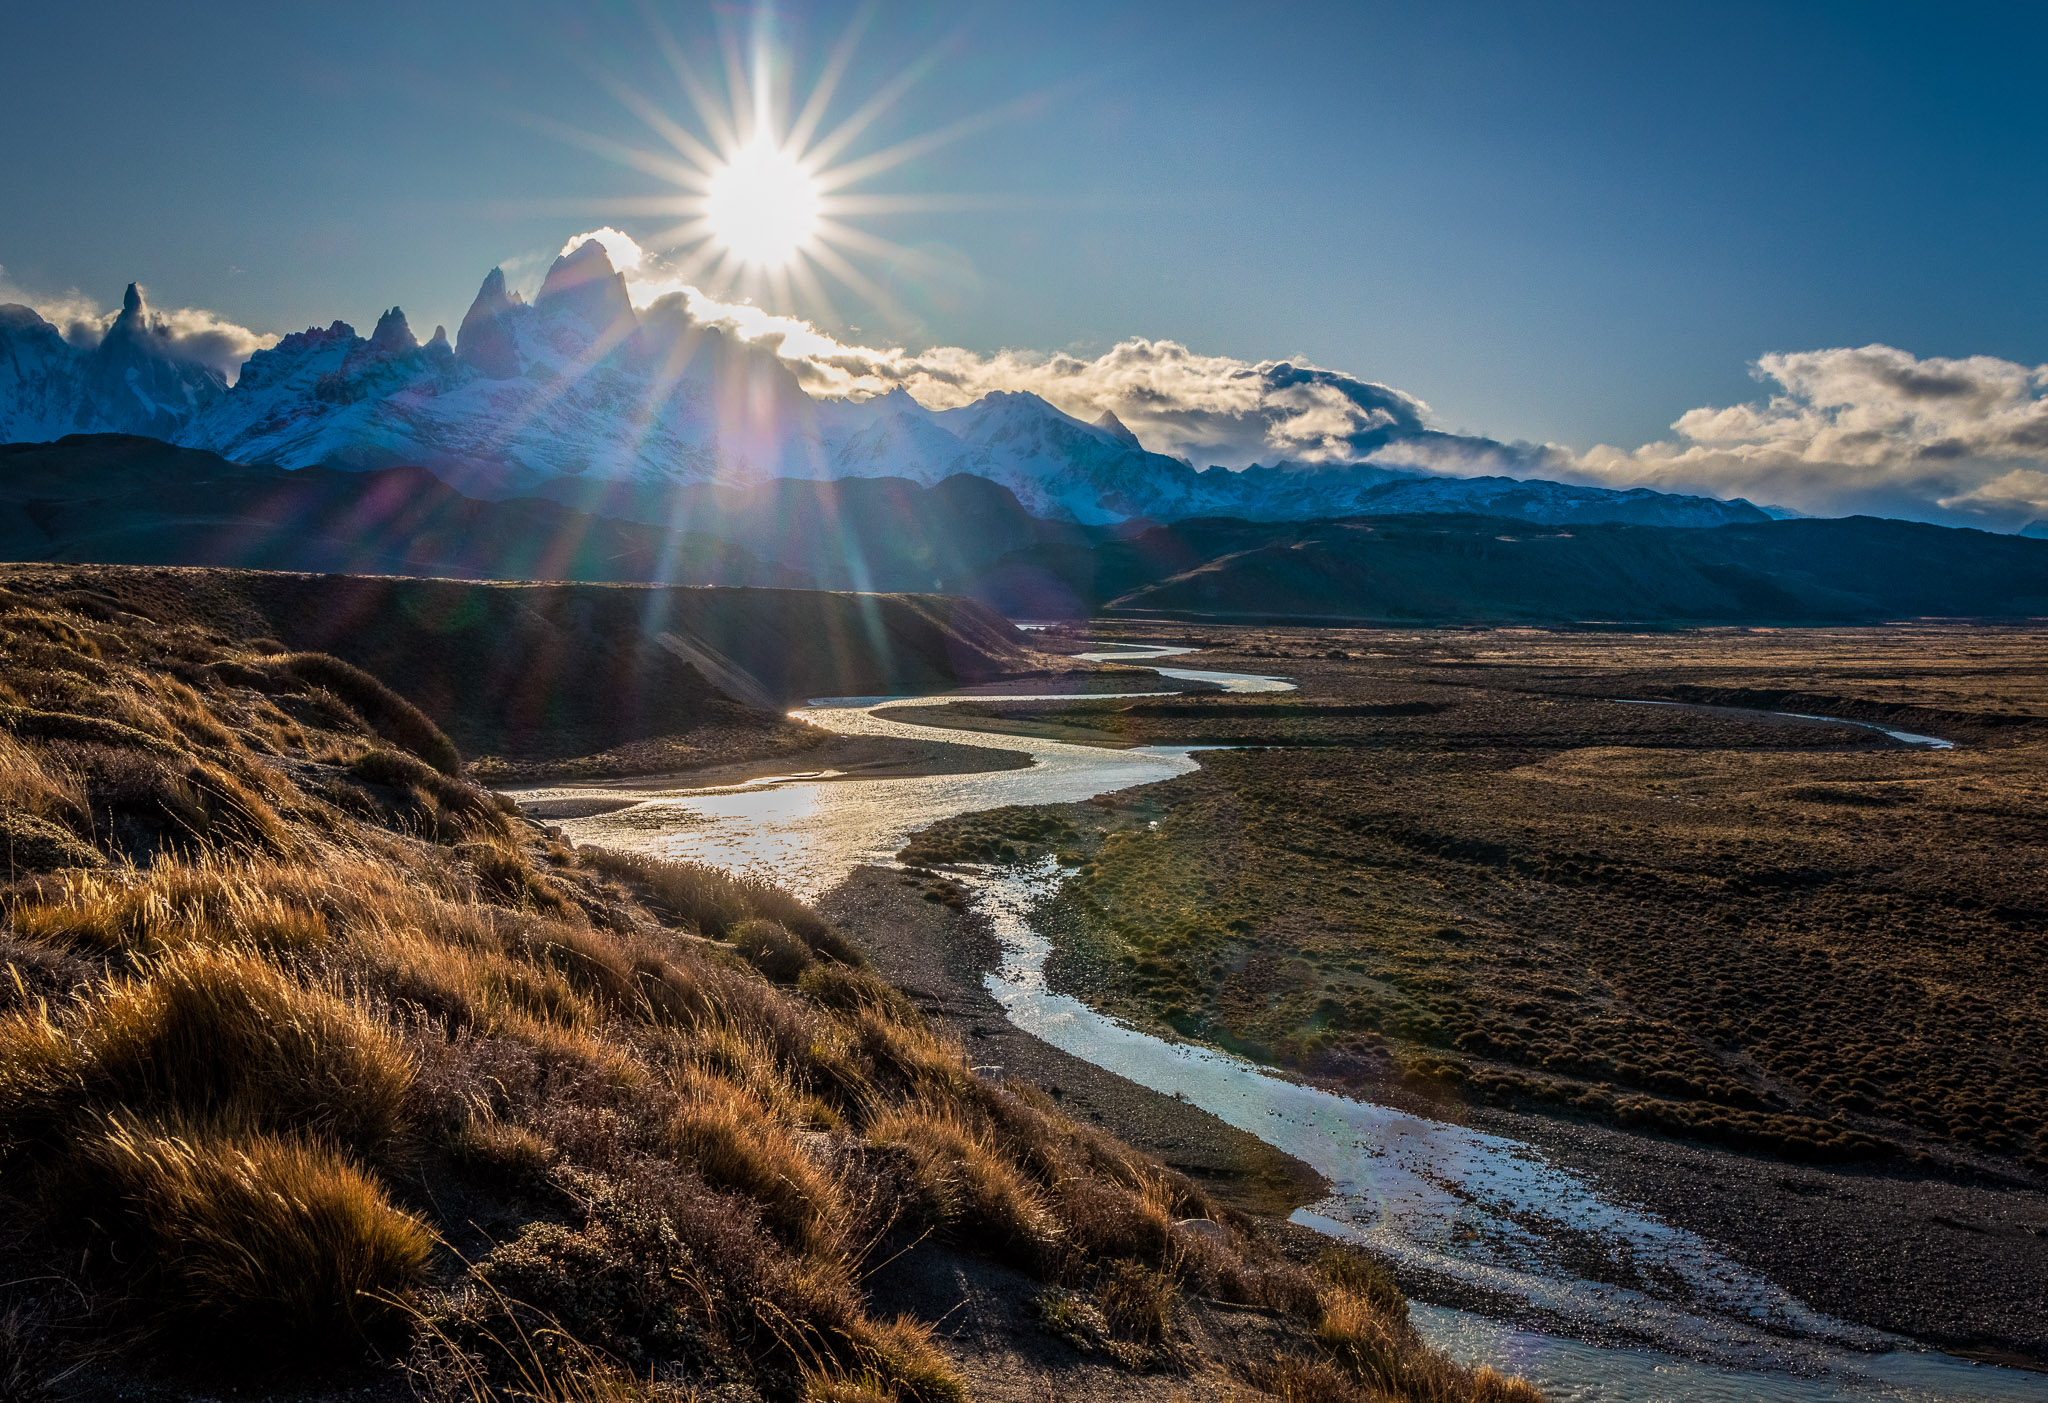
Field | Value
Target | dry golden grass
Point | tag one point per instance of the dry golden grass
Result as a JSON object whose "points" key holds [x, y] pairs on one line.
{"points": [[966, 1183], [285, 1001], [252, 1246], [204, 1033]]}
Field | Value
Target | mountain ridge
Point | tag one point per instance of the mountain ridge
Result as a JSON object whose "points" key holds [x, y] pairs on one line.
{"points": [[126, 499], [579, 384]]}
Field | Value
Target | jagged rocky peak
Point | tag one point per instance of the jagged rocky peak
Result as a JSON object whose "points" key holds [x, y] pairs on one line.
{"points": [[582, 288], [1114, 427], [484, 339], [133, 321], [139, 380], [392, 336]]}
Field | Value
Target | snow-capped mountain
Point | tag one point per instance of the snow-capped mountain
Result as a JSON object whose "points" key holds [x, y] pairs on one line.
{"points": [[579, 384], [132, 382]]}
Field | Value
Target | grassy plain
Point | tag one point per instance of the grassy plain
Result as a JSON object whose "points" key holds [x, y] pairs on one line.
{"points": [[1462, 872], [321, 1069]]}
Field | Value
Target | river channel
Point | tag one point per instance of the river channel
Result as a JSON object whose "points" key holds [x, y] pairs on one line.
{"points": [[1449, 1201]]}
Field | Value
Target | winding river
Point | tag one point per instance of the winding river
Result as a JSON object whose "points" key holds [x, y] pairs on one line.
{"points": [[1450, 1201]]}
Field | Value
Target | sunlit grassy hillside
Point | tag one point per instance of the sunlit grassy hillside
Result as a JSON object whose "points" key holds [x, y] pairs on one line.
{"points": [[320, 1068]]}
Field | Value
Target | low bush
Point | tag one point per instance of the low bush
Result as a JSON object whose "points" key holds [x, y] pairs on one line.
{"points": [[771, 949]]}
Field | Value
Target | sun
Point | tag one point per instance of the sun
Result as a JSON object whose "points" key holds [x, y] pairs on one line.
{"points": [[765, 195], [762, 206]]}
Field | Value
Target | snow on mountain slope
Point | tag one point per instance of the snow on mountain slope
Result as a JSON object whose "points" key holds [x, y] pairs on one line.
{"points": [[580, 384], [132, 382], [575, 383]]}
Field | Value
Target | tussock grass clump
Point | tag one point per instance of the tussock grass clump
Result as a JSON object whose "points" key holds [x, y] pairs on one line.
{"points": [[252, 1247], [1137, 1301], [387, 713], [770, 948], [733, 1140], [968, 1186], [204, 1033], [714, 901], [178, 904]]}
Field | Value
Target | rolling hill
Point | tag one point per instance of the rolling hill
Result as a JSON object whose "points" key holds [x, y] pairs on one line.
{"points": [[1481, 569]]}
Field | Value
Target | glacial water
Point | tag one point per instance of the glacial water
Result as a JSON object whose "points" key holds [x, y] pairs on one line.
{"points": [[1452, 1201]]}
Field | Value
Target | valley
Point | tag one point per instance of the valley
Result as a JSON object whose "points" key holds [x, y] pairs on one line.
{"points": [[1674, 944]]}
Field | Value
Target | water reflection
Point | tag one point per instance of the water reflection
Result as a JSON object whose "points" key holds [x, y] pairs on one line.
{"points": [[809, 833], [1478, 1207], [1491, 1212]]}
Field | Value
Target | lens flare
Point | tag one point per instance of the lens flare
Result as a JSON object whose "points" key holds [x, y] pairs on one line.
{"points": [[763, 206], [767, 195]]}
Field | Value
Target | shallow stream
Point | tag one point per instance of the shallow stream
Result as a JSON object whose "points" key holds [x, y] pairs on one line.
{"points": [[1450, 1201]]}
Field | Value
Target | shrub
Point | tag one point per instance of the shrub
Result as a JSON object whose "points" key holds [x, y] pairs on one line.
{"points": [[251, 1248], [771, 949], [1137, 1301]]}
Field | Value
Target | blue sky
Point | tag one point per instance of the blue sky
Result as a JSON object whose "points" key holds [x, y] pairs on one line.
{"points": [[1565, 222]]}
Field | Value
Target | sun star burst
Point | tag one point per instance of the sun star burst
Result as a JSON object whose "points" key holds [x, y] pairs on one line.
{"points": [[764, 189]]}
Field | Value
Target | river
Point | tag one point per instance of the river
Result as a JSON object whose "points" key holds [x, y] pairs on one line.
{"points": [[1452, 1201]]}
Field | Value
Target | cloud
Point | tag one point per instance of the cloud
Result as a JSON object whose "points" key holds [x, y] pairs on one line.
{"points": [[1872, 429], [1868, 429], [189, 333], [1209, 409]]}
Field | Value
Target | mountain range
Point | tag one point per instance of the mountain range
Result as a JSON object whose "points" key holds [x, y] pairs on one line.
{"points": [[123, 499], [580, 396], [117, 499], [1475, 569]]}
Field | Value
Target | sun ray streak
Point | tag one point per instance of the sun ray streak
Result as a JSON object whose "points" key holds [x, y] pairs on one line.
{"points": [[857, 170], [830, 260], [663, 126], [806, 124], [840, 137], [653, 163], [722, 132], [740, 84], [845, 236], [812, 291]]}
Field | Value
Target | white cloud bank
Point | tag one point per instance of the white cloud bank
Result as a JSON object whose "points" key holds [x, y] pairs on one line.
{"points": [[189, 333], [1871, 429]]}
